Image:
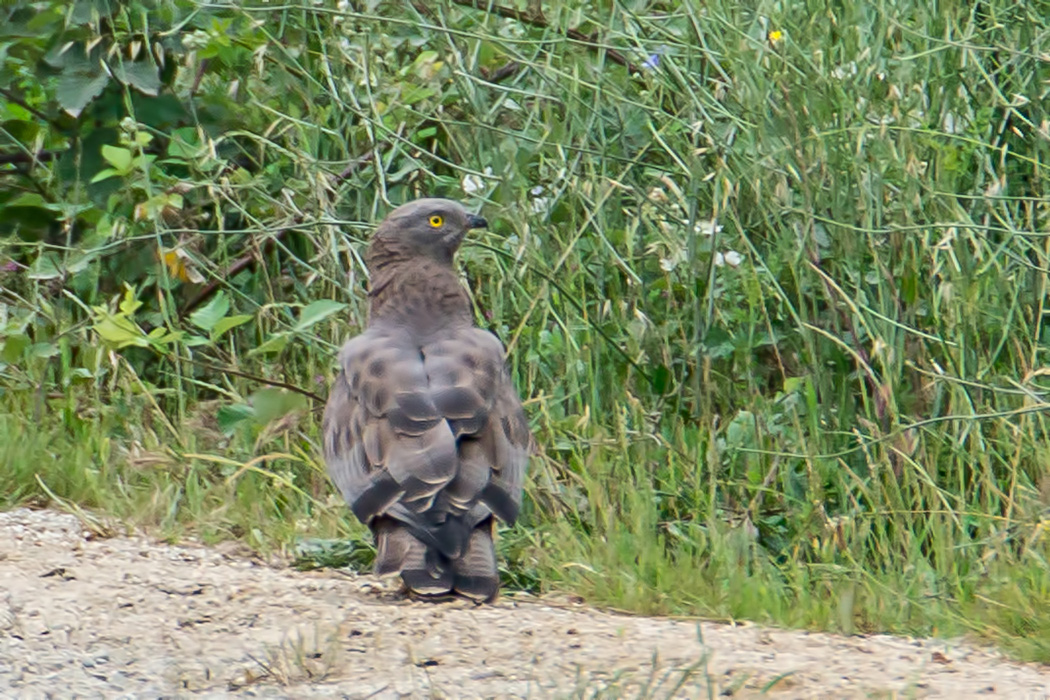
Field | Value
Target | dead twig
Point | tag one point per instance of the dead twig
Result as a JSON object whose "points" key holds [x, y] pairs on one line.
{"points": [[362, 160], [536, 19], [17, 99], [237, 265], [20, 158], [260, 380], [502, 73]]}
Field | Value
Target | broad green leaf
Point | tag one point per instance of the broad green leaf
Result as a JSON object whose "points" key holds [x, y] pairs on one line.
{"points": [[741, 429], [104, 174], [128, 303], [119, 158], [143, 160], [414, 94], [275, 344], [45, 267], [227, 323], [159, 337], [13, 347], [141, 75], [83, 12], [272, 403], [78, 263], [77, 87], [120, 331], [208, 316], [661, 379], [184, 143], [22, 130], [43, 350], [29, 199], [317, 311], [229, 416]]}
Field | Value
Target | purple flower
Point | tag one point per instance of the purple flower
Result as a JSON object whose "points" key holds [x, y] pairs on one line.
{"points": [[653, 61]]}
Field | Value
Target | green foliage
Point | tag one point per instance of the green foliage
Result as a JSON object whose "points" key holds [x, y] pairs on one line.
{"points": [[773, 276]]}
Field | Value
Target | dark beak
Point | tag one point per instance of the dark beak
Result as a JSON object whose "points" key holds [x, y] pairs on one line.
{"points": [[474, 221]]}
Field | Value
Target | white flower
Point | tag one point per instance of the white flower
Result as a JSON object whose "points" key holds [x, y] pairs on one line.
{"points": [[705, 228], [844, 71], [953, 124], [731, 258], [473, 183], [675, 259], [539, 204], [657, 194]]}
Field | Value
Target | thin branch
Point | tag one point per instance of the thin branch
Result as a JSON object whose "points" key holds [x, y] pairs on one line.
{"points": [[238, 265], [21, 158], [199, 76], [248, 258], [536, 19], [500, 74], [261, 380], [364, 159], [9, 94]]}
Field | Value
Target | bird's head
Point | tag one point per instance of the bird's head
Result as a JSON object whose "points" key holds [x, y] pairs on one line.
{"points": [[430, 227]]}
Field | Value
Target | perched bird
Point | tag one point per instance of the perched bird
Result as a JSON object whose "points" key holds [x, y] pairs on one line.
{"points": [[424, 433]]}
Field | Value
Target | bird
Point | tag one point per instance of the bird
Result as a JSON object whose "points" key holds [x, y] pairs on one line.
{"points": [[424, 432]]}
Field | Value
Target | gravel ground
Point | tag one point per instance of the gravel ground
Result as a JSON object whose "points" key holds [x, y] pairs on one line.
{"points": [[128, 617]]}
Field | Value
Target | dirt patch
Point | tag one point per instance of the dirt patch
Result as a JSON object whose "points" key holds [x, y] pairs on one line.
{"points": [[130, 617]]}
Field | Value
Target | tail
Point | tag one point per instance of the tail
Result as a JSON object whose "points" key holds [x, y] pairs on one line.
{"points": [[426, 571], [475, 574]]}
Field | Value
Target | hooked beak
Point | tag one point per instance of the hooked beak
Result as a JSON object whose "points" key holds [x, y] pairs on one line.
{"points": [[475, 221]]}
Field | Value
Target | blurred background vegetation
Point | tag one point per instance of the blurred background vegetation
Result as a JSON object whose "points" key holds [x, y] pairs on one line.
{"points": [[773, 277]]}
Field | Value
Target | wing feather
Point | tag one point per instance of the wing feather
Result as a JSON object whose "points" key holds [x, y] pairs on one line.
{"points": [[431, 434]]}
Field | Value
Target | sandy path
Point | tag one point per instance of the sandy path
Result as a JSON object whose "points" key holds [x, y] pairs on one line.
{"points": [[132, 618]]}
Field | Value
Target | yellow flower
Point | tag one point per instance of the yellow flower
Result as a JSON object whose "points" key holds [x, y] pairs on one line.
{"points": [[775, 36], [180, 265]]}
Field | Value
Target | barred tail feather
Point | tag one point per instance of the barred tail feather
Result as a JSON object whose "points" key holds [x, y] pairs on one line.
{"points": [[475, 573]]}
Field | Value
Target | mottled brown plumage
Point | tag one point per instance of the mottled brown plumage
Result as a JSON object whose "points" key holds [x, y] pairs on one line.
{"points": [[424, 433]]}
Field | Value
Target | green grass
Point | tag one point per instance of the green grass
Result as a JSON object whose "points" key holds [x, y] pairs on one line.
{"points": [[777, 303]]}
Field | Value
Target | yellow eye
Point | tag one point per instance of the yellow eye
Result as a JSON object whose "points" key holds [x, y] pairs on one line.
{"points": [[436, 221]]}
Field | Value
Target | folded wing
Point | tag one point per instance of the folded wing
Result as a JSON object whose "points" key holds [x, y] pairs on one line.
{"points": [[430, 438]]}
